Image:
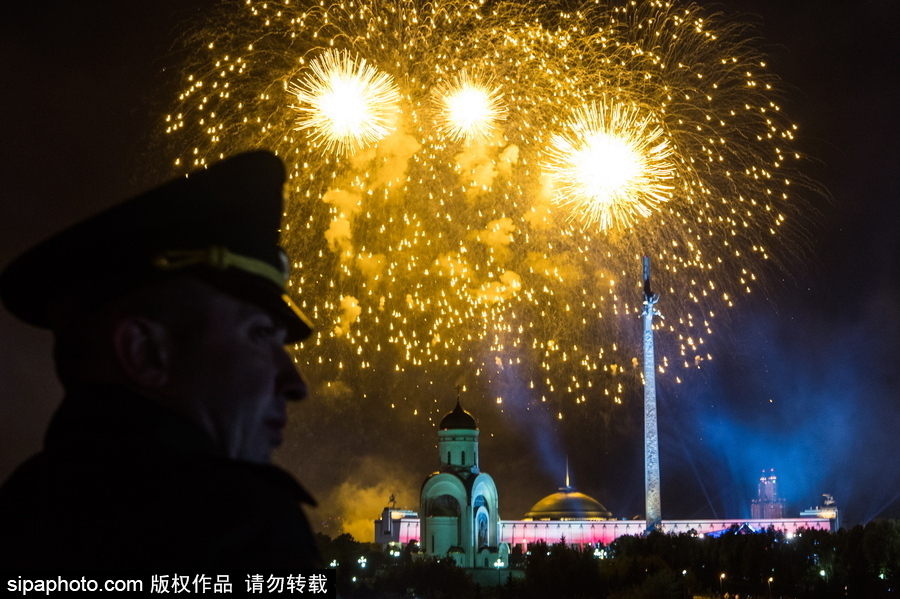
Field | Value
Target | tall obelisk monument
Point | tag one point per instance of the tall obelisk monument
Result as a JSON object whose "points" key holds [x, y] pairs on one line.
{"points": [[651, 430]]}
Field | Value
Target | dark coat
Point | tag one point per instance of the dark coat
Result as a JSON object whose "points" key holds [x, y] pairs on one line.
{"points": [[125, 483]]}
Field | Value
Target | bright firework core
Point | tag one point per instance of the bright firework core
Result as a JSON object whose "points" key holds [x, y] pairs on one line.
{"points": [[612, 166], [468, 109], [604, 166], [344, 103]]}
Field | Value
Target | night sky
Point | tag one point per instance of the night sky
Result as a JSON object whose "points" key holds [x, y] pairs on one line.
{"points": [[804, 379]]}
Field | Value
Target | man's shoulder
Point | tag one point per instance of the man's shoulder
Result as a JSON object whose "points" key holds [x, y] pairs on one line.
{"points": [[217, 508], [123, 484], [72, 473]]}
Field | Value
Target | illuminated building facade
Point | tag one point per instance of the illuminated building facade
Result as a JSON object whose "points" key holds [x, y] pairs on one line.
{"points": [[460, 504]]}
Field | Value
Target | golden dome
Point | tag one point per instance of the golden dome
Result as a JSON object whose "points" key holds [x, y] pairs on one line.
{"points": [[568, 504]]}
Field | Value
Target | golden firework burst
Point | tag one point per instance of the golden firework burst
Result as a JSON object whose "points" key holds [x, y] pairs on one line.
{"points": [[468, 108], [344, 103], [612, 165]]}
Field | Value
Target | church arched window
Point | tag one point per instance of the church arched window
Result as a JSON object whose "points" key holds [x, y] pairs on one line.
{"points": [[481, 526]]}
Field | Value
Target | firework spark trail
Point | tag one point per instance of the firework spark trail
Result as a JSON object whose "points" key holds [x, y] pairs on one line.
{"points": [[431, 249]]}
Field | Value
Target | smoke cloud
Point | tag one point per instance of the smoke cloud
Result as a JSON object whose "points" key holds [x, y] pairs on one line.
{"points": [[338, 237], [453, 266], [348, 204], [479, 163], [498, 233], [371, 266], [507, 159], [367, 490], [476, 168], [386, 165], [541, 215], [509, 284], [350, 311], [339, 234]]}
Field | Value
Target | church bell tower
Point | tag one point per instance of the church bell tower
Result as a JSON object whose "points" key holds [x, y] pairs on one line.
{"points": [[458, 505]]}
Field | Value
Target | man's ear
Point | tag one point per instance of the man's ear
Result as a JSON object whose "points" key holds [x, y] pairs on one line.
{"points": [[142, 351]]}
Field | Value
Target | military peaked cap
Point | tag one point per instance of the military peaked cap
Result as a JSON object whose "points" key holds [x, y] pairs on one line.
{"points": [[220, 223]]}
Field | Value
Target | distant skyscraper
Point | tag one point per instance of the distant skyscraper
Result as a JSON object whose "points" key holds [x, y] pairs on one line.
{"points": [[767, 504]]}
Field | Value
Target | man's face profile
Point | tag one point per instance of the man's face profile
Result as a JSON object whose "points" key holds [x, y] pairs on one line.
{"points": [[233, 374], [215, 358]]}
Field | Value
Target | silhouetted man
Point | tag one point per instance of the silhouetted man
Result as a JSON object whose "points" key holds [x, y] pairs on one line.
{"points": [[170, 319]]}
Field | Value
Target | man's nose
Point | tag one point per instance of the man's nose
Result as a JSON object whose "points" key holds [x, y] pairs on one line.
{"points": [[290, 383]]}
